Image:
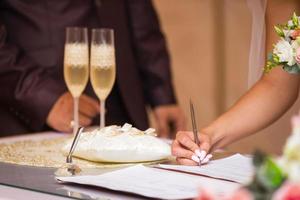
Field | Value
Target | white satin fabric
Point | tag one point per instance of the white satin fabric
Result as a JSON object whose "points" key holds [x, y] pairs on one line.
{"points": [[258, 38], [120, 145]]}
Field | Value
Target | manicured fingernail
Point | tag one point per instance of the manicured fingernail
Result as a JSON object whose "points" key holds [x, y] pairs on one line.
{"points": [[197, 152], [195, 158], [202, 155], [206, 159]]}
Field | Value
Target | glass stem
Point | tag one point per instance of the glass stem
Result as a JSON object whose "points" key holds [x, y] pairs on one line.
{"points": [[102, 113], [76, 115]]}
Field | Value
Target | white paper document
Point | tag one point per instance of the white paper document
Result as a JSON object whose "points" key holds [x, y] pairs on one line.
{"points": [[155, 183], [237, 168]]}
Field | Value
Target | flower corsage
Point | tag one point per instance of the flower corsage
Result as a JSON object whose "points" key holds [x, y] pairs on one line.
{"points": [[286, 52]]}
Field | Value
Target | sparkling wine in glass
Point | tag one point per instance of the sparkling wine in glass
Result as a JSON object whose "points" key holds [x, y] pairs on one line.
{"points": [[103, 66], [76, 63]]}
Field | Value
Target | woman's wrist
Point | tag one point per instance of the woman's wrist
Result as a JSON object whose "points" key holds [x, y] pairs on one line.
{"points": [[217, 135]]}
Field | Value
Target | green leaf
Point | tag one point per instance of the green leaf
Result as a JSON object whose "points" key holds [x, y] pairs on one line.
{"points": [[272, 62], [270, 56], [279, 31], [269, 175], [291, 69], [259, 158], [276, 59], [295, 20]]}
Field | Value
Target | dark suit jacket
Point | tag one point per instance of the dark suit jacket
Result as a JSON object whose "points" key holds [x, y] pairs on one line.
{"points": [[32, 34]]}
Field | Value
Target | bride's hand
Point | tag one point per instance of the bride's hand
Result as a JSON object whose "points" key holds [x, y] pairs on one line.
{"points": [[187, 152]]}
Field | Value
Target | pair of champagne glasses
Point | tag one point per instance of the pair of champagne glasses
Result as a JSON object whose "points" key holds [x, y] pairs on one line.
{"points": [[100, 65]]}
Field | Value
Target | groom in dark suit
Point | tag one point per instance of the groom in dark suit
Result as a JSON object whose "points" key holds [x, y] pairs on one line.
{"points": [[33, 94]]}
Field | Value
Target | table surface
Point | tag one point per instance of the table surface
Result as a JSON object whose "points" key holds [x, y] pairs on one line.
{"points": [[39, 182], [42, 180]]}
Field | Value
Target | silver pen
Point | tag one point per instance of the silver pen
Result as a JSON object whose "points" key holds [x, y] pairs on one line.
{"points": [[194, 125]]}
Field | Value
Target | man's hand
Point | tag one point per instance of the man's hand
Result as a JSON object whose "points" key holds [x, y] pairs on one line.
{"points": [[166, 115], [61, 114]]}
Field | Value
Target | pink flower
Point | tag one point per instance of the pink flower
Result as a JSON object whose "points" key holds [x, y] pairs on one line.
{"points": [[205, 195], [289, 191], [296, 119], [241, 194], [295, 34], [298, 55]]}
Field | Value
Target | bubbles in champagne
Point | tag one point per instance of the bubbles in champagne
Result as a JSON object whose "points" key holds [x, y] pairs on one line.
{"points": [[103, 70], [76, 54], [102, 56], [76, 67], [103, 80], [76, 77]]}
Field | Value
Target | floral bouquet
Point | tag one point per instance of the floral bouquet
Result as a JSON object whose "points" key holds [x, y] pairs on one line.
{"points": [[287, 50]]}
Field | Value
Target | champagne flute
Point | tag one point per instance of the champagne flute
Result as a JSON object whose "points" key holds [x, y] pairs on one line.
{"points": [[76, 63], [103, 66]]}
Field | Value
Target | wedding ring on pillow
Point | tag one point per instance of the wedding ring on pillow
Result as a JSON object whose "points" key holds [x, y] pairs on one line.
{"points": [[72, 123]]}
